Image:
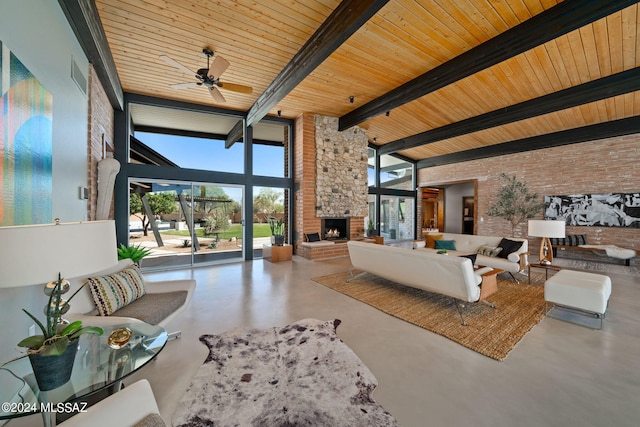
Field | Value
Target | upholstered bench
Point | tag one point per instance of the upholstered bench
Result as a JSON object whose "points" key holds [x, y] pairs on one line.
{"points": [[585, 292]]}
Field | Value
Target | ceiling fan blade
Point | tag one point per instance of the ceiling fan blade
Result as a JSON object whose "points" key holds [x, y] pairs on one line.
{"points": [[235, 87], [218, 66], [177, 65], [216, 95], [184, 85]]}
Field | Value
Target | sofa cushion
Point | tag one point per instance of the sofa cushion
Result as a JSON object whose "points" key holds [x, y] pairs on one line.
{"points": [[313, 237], [114, 291], [153, 308], [508, 246], [490, 251], [449, 245], [431, 240]]}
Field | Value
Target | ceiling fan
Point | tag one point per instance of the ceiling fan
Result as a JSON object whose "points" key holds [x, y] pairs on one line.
{"points": [[208, 77]]}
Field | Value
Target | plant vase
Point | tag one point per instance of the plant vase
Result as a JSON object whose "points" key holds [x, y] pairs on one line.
{"points": [[277, 240], [53, 371]]}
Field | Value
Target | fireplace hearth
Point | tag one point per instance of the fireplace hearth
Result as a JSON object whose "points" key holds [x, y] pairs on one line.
{"points": [[335, 228]]}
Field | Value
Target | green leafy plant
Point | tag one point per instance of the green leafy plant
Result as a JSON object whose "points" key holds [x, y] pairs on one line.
{"points": [[277, 226], [135, 252], [55, 336], [515, 203], [186, 243]]}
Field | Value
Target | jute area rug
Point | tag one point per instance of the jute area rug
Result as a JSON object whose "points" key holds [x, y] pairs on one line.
{"points": [[493, 332], [298, 375]]}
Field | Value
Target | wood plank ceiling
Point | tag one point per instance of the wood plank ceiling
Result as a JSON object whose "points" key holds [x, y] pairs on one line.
{"points": [[588, 76]]}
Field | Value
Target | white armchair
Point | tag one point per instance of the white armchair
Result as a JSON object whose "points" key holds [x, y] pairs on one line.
{"points": [[128, 407]]}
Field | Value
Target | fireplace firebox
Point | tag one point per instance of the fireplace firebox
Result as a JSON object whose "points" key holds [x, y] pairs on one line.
{"points": [[335, 228]]}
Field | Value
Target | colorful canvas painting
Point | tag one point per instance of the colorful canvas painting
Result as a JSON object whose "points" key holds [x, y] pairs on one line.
{"points": [[26, 142]]}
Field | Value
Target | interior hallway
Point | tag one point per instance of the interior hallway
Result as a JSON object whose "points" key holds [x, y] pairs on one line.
{"points": [[559, 375]]}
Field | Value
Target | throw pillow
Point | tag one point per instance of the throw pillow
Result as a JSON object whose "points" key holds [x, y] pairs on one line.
{"points": [[431, 240], [508, 246], [472, 257], [449, 245], [313, 237], [116, 290], [488, 251]]}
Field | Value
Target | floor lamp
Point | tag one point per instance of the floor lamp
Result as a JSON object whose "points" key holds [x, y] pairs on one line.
{"points": [[546, 230]]}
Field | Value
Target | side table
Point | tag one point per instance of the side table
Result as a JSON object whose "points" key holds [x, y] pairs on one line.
{"points": [[275, 253], [546, 269]]}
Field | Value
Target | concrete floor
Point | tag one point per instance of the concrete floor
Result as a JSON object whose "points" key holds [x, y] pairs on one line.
{"points": [[559, 375]]}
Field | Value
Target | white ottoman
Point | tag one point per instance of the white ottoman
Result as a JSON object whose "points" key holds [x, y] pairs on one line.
{"points": [[587, 292]]}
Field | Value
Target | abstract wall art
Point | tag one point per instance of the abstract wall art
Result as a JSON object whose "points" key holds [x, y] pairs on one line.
{"points": [[600, 210], [26, 140]]}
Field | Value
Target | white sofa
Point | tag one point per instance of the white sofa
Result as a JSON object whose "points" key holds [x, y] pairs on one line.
{"points": [[447, 275], [470, 243], [163, 300]]}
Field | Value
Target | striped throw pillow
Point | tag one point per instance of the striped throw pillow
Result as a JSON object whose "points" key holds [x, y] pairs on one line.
{"points": [[114, 291], [489, 250]]}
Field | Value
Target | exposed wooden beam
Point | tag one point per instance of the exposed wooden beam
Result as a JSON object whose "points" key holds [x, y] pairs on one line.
{"points": [[84, 20], [605, 87], [611, 129], [548, 25], [345, 20], [235, 134]]}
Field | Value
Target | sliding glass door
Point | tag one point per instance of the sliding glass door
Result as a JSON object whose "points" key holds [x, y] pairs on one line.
{"points": [[185, 224]]}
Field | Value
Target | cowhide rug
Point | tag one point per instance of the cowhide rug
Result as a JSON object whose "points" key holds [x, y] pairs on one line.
{"points": [[298, 375]]}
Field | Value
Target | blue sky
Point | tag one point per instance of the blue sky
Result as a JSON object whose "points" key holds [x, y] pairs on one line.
{"points": [[199, 153]]}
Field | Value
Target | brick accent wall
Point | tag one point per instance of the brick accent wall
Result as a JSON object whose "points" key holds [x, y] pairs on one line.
{"points": [[100, 137], [603, 166]]}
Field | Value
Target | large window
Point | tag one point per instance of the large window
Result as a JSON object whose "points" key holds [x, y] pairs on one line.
{"points": [[209, 167], [392, 203], [395, 173], [194, 153]]}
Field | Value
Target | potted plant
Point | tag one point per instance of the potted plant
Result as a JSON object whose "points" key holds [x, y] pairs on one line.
{"points": [[277, 231], [52, 353], [135, 252], [371, 228]]}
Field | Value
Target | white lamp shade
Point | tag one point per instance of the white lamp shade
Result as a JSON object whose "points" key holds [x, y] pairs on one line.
{"points": [[35, 254], [541, 228]]}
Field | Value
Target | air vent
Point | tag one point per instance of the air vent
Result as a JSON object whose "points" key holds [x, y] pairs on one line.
{"points": [[78, 77]]}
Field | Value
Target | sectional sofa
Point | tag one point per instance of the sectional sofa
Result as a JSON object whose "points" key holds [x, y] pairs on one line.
{"points": [[506, 253]]}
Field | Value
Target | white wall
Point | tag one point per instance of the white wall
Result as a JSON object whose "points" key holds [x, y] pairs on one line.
{"points": [[453, 195], [37, 32]]}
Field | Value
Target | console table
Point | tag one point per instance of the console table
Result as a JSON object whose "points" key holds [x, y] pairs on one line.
{"points": [[97, 367]]}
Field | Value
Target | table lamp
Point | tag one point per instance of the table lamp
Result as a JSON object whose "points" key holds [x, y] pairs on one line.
{"points": [[35, 254], [546, 230]]}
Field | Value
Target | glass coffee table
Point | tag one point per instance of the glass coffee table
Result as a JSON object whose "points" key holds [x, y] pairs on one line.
{"points": [[97, 368]]}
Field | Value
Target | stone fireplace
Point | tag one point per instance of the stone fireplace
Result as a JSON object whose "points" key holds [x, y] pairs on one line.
{"points": [[331, 188], [335, 228]]}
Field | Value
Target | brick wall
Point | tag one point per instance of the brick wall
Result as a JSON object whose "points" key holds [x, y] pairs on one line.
{"points": [[100, 137], [603, 166]]}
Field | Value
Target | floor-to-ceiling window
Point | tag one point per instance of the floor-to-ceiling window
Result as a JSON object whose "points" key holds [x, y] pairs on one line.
{"points": [[192, 175], [392, 196]]}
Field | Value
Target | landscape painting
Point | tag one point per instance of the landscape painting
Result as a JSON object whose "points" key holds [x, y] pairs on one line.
{"points": [[26, 141], [600, 210]]}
